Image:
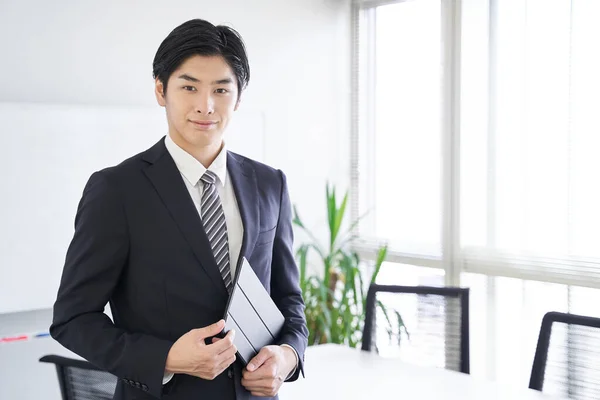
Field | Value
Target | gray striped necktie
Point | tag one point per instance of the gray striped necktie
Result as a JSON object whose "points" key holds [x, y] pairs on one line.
{"points": [[213, 219]]}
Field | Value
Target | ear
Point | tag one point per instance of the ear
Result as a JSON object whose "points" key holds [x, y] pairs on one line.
{"points": [[159, 92]]}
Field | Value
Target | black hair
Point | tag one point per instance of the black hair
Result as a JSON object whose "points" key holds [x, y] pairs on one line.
{"points": [[200, 37]]}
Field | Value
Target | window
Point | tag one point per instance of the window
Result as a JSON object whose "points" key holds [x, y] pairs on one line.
{"points": [[529, 139], [400, 126], [474, 151]]}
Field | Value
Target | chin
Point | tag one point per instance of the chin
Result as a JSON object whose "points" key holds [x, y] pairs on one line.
{"points": [[203, 138]]}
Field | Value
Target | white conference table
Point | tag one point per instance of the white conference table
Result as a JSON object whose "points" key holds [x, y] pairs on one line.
{"points": [[340, 372]]}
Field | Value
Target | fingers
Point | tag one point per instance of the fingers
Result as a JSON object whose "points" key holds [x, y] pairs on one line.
{"points": [[223, 349], [261, 384], [218, 369], [263, 387], [271, 393], [224, 360], [268, 370], [263, 355], [211, 330], [262, 381], [227, 361], [227, 353], [219, 346]]}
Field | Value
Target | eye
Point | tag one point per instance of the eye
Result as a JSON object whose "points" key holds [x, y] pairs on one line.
{"points": [[189, 88], [222, 91]]}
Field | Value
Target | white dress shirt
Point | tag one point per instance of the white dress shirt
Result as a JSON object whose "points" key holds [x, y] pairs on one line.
{"points": [[191, 171]]}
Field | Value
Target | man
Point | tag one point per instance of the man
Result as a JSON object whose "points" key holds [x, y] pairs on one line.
{"points": [[159, 237]]}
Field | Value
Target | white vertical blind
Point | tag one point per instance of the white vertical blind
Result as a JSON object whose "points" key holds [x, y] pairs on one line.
{"points": [[529, 201], [400, 127], [376, 3]]}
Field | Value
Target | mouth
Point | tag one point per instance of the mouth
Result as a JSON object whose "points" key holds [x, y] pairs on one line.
{"points": [[204, 124]]}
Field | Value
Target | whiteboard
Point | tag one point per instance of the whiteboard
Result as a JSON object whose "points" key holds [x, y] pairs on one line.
{"points": [[50, 151]]}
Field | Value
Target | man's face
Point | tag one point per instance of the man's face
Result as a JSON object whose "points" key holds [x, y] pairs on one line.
{"points": [[201, 97]]}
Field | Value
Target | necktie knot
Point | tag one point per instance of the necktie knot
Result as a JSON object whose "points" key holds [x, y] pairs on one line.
{"points": [[209, 177]]}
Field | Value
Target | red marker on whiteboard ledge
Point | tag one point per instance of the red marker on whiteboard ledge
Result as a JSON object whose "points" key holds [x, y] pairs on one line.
{"points": [[22, 338], [10, 339]]}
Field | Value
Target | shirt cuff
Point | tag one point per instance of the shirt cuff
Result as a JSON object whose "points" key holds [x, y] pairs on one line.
{"points": [[297, 360], [167, 377]]}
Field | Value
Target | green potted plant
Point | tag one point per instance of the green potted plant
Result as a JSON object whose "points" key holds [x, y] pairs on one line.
{"points": [[336, 299]]}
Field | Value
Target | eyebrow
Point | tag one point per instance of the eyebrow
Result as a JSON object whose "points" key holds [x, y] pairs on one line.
{"points": [[195, 80]]}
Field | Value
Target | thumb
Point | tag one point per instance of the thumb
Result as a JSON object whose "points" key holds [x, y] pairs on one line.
{"points": [[258, 360], [211, 330]]}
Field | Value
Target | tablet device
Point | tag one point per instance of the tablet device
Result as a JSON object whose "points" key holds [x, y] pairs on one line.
{"points": [[252, 313]]}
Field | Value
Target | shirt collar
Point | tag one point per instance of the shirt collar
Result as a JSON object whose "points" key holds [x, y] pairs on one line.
{"points": [[191, 168]]}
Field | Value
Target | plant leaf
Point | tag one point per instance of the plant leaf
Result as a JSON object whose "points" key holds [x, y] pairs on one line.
{"points": [[401, 324], [302, 253], [383, 308], [331, 213], [381, 254], [337, 220], [297, 221]]}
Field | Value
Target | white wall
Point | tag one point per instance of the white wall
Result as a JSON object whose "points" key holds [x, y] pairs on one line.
{"points": [[100, 54]]}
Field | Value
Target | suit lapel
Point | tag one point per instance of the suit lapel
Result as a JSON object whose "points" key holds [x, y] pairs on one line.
{"points": [[167, 181], [245, 187]]}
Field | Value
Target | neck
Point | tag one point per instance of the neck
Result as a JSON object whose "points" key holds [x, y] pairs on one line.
{"points": [[204, 154]]}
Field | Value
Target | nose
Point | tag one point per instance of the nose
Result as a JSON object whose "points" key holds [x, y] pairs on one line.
{"points": [[205, 104]]}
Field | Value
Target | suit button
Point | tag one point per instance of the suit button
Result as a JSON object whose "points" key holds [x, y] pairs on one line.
{"points": [[145, 388], [230, 373]]}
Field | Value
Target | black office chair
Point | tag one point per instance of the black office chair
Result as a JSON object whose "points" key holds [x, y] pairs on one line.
{"points": [[439, 335], [567, 357], [80, 380]]}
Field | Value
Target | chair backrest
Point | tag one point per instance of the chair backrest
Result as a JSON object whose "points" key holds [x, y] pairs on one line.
{"points": [[436, 321], [567, 357], [80, 380]]}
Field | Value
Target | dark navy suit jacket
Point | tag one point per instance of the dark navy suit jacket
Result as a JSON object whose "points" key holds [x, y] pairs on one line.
{"points": [[139, 244]]}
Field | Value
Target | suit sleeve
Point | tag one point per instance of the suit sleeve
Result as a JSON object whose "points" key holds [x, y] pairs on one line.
{"points": [[95, 261], [285, 282]]}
